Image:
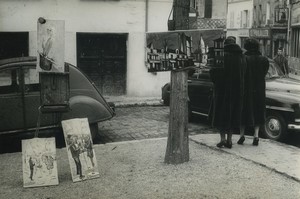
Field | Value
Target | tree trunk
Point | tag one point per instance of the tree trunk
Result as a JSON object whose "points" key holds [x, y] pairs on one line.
{"points": [[178, 141]]}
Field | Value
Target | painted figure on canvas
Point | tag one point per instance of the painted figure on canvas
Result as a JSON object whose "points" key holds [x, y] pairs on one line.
{"points": [[39, 162], [81, 153]]}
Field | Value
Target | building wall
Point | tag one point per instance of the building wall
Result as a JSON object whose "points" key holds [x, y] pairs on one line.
{"points": [[219, 8], [217, 19], [234, 13], [124, 16], [294, 59], [234, 19], [261, 18]]}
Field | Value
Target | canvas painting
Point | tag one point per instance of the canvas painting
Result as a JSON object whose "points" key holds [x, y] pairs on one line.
{"points": [[80, 149], [39, 162], [50, 45], [173, 50]]}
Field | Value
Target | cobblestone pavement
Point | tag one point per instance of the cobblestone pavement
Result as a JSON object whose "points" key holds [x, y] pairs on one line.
{"points": [[135, 123]]}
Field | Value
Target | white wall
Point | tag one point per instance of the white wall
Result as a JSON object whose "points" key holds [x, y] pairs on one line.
{"points": [[237, 7], [123, 16]]}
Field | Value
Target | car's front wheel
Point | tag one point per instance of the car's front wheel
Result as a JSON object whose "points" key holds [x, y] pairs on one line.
{"points": [[275, 127]]}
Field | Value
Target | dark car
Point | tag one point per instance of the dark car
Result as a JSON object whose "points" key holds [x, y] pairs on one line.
{"points": [[282, 100], [20, 99]]}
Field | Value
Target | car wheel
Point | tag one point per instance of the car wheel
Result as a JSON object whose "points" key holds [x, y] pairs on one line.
{"points": [[94, 130], [166, 94], [275, 127], [166, 101]]}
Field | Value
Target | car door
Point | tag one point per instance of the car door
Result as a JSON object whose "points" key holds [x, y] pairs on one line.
{"points": [[200, 92], [12, 115]]}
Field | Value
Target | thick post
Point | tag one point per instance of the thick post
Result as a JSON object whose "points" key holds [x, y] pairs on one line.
{"points": [[178, 142]]}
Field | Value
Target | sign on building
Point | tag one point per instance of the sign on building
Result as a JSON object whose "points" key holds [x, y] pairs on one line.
{"points": [[50, 45], [259, 33], [173, 50]]}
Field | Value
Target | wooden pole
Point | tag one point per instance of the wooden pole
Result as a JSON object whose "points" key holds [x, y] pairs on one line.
{"points": [[178, 142]]}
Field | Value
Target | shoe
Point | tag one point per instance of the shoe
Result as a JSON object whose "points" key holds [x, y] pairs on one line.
{"points": [[228, 144], [221, 144], [241, 140], [81, 177], [255, 141]]}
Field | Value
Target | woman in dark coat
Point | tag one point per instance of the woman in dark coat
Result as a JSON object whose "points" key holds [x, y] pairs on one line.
{"points": [[255, 90], [228, 92]]}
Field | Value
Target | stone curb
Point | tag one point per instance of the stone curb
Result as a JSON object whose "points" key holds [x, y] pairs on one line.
{"points": [[247, 159]]}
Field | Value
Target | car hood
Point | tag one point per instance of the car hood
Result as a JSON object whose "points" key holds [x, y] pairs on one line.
{"points": [[283, 84]]}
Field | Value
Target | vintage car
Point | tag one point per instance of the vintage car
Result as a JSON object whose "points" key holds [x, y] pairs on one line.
{"points": [[20, 99], [282, 100]]}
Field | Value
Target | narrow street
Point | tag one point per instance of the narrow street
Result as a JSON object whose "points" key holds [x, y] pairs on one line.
{"points": [[131, 123], [135, 123], [143, 122]]}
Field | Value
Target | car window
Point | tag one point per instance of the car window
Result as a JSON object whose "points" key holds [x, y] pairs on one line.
{"points": [[9, 82], [31, 79], [5, 78]]}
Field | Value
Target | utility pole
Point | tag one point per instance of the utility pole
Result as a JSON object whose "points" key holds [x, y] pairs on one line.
{"points": [[178, 141]]}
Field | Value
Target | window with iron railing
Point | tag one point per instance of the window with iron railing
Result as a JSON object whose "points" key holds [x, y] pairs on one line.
{"points": [[281, 15]]}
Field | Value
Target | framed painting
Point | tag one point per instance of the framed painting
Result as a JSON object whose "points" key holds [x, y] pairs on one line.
{"points": [[80, 149], [174, 50], [39, 162], [50, 45]]}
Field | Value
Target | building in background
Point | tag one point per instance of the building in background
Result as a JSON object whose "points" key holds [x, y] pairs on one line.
{"points": [[294, 50], [210, 14], [270, 25], [105, 39], [239, 19]]}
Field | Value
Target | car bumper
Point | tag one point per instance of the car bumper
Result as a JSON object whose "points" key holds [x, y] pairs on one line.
{"points": [[294, 126]]}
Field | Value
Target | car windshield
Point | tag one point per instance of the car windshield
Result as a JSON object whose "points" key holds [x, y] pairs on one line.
{"points": [[274, 71]]}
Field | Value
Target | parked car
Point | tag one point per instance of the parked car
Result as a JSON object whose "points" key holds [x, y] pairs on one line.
{"points": [[20, 99], [282, 100]]}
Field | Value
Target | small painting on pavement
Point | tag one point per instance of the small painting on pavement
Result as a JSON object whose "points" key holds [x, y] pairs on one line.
{"points": [[79, 145]]}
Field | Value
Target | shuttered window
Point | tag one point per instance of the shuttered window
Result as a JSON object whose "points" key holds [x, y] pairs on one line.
{"points": [[208, 9], [295, 44]]}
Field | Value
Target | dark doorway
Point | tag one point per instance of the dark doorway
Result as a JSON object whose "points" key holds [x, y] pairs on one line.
{"points": [[103, 58], [14, 44]]}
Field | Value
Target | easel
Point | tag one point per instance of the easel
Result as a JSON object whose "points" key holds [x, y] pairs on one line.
{"points": [[54, 95]]}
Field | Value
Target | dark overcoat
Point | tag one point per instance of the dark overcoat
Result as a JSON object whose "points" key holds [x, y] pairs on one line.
{"points": [[255, 89], [226, 110]]}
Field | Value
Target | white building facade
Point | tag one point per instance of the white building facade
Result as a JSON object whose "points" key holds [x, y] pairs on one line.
{"points": [[106, 39], [239, 19]]}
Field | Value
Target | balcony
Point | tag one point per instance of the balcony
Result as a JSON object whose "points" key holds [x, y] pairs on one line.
{"points": [[280, 17]]}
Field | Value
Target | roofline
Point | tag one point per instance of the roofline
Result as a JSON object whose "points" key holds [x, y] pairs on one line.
{"points": [[17, 59]]}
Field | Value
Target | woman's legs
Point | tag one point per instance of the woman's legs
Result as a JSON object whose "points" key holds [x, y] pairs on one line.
{"points": [[223, 139], [256, 130], [229, 140], [242, 135], [256, 139]]}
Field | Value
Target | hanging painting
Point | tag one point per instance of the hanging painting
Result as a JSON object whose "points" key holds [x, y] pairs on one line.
{"points": [[50, 45], [174, 50]]}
